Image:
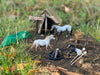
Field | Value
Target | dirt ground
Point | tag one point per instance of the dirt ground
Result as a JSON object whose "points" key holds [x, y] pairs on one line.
{"points": [[92, 58], [91, 61]]}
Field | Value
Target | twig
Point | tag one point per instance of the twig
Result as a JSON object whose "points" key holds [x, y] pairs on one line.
{"points": [[77, 59], [66, 72], [16, 35], [74, 58]]}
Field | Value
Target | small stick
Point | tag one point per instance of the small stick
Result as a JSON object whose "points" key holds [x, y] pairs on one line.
{"points": [[77, 59], [16, 35], [56, 53], [66, 72], [74, 58]]}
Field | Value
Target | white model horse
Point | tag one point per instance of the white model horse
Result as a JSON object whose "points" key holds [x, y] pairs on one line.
{"points": [[43, 42], [61, 29], [74, 49]]}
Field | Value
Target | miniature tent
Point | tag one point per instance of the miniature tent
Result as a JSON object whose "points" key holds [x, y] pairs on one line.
{"points": [[49, 18]]}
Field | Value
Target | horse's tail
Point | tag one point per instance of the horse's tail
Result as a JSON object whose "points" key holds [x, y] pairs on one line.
{"points": [[52, 27], [34, 43], [71, 32]]}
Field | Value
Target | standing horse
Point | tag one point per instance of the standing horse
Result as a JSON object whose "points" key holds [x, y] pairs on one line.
{"points": [[60, 29], [43, 42]]}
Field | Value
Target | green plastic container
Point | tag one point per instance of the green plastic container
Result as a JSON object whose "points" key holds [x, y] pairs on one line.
{"points": [[12, 38]]}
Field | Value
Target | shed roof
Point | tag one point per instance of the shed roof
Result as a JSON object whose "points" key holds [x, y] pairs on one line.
{"points": [[52, 15]]}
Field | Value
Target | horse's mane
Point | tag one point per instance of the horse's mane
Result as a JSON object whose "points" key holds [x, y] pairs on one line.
{"points": [[56, 25], [47, 37]]}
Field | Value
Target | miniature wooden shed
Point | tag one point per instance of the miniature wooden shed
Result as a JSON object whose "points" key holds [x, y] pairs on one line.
{"points": [[47, 18]]}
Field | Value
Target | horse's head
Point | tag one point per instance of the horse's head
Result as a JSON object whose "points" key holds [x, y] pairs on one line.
{"points": [[52, 37], [69, 29]]}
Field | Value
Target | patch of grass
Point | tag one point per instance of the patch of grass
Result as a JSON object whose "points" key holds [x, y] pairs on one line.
{"points": [[21, 57]]}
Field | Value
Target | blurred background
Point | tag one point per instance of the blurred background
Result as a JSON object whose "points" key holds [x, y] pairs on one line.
{"points": [[81, 14]]}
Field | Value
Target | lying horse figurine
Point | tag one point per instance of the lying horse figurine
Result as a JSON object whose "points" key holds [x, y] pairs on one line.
{"points": [[43, 42], [74, 49], [60, 29], [79, 53]]}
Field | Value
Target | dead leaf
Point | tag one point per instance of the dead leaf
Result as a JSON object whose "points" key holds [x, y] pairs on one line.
{"points": [[30, 72], [78, 34], [1, 39], [6, 30], [13, 68], [2, 53], [1, 68], [44, 69], [66, 72], [55, 73], [25, 64], [51, 68], [8, 68], [67, 9], [20, 67], [96, 73], [17, 74], [12, 50], [37, 62], [48, 69], [11, 56], [87, 65], [6, 47], [79, 62]]}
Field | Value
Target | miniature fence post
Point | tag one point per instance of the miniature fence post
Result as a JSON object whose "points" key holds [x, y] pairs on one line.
{"points": [[36, 31], [45, 23], [16, 35]]}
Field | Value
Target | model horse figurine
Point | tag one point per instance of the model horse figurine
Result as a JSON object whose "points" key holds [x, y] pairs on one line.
{"points": [[43, 42], [74, 49], [60, 29], [79, 52]]}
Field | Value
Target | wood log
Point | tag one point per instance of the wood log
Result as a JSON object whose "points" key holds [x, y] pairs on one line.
{"points": [[66, 72], [89, 40]]}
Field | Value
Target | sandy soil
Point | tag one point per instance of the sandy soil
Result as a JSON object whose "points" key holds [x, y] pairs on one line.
{"points": [[92, 57]]}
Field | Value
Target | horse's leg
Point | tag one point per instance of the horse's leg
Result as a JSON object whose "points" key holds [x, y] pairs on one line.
{"points": [[50, 46], [46, 47], [67, 34], [71, 32], [59, 35], [40, 48], [36, 47]]}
